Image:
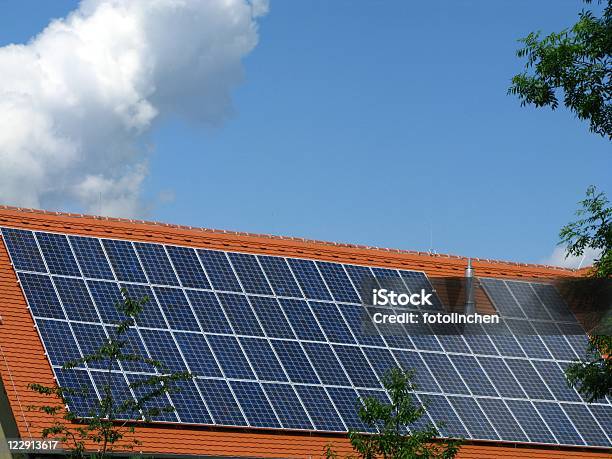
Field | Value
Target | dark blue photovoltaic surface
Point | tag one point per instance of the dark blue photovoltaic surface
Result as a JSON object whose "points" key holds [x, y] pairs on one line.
{"points": [[287, 406], [41, 296], [57, 254], [254, 404], [124, 261], [188, 267], [91, 258], [282, 342], [24, 250], [156, 263], [221, 402], [219, 270], [319, 406]]}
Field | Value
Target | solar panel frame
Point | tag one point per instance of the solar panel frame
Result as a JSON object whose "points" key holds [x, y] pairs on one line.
{"points": [[368, 349]]}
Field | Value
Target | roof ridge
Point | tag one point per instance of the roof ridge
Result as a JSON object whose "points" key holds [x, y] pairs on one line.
{"points": [[277, 237]]}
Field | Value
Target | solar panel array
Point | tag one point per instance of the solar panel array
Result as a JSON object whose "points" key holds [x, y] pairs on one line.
{"points": [[278, 342]]}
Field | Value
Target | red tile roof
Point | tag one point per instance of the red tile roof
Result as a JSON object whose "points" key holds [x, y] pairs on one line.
{"points": [[23, 361]]}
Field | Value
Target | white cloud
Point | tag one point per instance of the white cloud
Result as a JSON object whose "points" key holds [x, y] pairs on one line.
{"points": [[558, 258], [77, 101]]}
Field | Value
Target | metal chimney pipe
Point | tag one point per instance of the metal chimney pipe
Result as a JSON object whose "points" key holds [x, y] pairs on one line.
{"points": [[470, 305]]}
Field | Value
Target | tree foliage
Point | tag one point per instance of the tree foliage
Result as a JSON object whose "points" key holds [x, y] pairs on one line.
{"points": [[593, 229], [400, 431], [577, 62], [110, 422], [592, 375]]}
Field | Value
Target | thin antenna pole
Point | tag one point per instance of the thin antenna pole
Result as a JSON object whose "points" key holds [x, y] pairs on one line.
{"points": [[582, 261], [100, 203]]}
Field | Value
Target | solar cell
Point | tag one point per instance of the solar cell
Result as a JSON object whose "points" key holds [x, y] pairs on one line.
{"points": [[287, 406], [554, 340], [188, 267], [240, 314], [504, 301], [83, 400], [90, 257], [473, 375], [559, 423], [57, 253], [230, 356], [326, 364], [75, 299], [188, 403], [254, 403], [278, 337], [443, 372], [309, 279], [473, 418], [106, 295], [151, 315], [209, 312], [221, 402], [531, 422], [156, 263], [280, 276], [23, 250], [263, 360], [176, 309], [415, 281], [555, 380], [603, 414], [529, 301], [357, 366], [501, 376], [113, 385], [320, 408], [162, 348], [553, 302], [338, 282], [346, 401], [478, 341], [124, 261], [356, 316], [381, 359], [59, 342], [160, 403], [41, 296], [198, 355], [295, 362], [412, 361], [444, 416], [250, 274], [528, 378], [302, 320], [359, 275], [271, 317], [502, 420], [585, 424], [133, 346], [331, 322], [220, 272], [90, 339]]}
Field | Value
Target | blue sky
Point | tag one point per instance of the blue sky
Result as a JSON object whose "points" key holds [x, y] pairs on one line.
{"points": [[380, 123]]}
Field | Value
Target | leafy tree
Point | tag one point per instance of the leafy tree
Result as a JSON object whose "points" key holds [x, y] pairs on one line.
{"points": [[592, 376], [576, 61], [593, 230], [110, 420], [400, 430]]}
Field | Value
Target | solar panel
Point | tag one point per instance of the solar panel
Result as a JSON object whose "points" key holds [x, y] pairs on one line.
{"points": [[280, 342]]}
